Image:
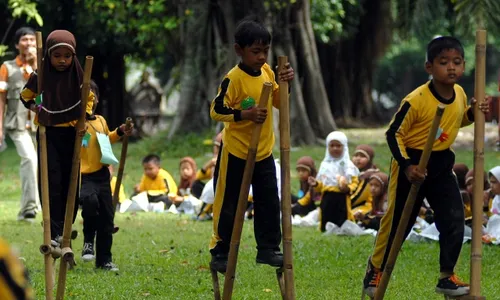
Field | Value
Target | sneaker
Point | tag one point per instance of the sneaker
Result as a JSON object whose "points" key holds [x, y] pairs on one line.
{"points": [[88, 252], [452, 286], [27, 216], [109, 266], [56, 242], [270, 257], [371, 280], [219, 263]]}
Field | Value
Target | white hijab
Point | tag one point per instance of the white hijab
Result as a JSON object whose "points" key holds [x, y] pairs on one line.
{"points": [[331, 167], [495, 205]]}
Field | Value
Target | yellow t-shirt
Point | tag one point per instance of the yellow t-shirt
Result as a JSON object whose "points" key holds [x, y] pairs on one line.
{"points": [[121, 193], [13, 281], [239, 84], [411, 124], [362, 199], [164, 183], [90, 157]]}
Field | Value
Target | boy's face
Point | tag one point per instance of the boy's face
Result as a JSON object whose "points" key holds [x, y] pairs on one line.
{"points": [[151, 169], [335, 148], [495, 185], [24, 44], [61, 58], [447, 67], [254, 56], [360, 161], [375, 188]]}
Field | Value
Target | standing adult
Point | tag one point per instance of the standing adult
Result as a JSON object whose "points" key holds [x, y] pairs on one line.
{"points": [[14, 119]]}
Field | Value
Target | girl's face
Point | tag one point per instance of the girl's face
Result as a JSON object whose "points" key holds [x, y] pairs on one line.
{"points": [[469, 186], [303, 174], [186, 170], [495, 185], [376, 188], [61, 58], [335, 148], [360, 161]]}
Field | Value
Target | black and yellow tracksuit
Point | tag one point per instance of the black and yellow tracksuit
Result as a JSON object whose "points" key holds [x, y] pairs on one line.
{"points": [[95, 194], [361, 198], [406, 138], [14, 283], [240, 84]]}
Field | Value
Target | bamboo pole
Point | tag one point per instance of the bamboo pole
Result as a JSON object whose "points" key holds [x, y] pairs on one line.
{"points": [[46, 248], [123, 157], [286, 197], [410, 203], [67, 254], [243, 198], [477, 200]]}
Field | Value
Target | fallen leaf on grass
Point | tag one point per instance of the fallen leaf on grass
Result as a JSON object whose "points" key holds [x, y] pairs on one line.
{"points": [[202, 268], [29, 241], [146, 294], [267, 290], [184, 262], [164, 251]]}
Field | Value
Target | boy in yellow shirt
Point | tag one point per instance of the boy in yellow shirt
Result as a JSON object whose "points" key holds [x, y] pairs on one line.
{"points": [[157, 182], [95, 194]]}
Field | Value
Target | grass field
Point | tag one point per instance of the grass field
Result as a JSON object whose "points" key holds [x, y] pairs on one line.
{"points": [[166, 257]]}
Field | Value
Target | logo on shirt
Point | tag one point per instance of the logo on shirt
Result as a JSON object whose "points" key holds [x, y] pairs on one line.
{"points": [[441, 135], [247, 103]]}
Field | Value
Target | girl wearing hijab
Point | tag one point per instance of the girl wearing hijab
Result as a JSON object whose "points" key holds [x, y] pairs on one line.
{"points": [[57, 108], [361, 198], [494, 199], [308, 198], [378, 183], [337, 178]]}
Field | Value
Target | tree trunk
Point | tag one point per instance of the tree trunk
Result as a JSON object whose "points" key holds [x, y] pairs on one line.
{"points": [[318, 107]]}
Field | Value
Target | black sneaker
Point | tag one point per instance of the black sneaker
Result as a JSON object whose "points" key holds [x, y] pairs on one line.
{"points": [[27, 216], [371, 280], [452, 286], [270, 257], [109, 266], [219, 263], [88, 252]]}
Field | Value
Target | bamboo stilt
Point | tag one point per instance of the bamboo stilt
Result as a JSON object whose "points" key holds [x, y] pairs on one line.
{"points": [[123, 157], [286, 197], [67, 255], [410, 203], [477, 201], [243, 199], [46, 249]]}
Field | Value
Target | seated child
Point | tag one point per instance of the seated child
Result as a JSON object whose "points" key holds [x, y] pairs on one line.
{"points": [[157, 183], [361, 198], [184, 200], [494, 199], [461, 171], [469, 183], [378, 188], [337, 179], [308, 197]]}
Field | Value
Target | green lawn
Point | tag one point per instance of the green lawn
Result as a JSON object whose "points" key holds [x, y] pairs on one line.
{"points": [[166, 257]]}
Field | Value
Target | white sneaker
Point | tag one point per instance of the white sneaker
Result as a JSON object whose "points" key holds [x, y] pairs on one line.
{"points": [[88, 252]]}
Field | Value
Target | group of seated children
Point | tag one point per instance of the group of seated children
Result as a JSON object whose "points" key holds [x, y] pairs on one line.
{"points": [[490, 188], [342, 189]]}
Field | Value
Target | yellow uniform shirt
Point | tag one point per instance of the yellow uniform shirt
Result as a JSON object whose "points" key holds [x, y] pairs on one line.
{"points": [[362, 199], [411, 124], [238, 85], [164, 183], [14, 283], [90, 157], [121, 193], [28, 95]]}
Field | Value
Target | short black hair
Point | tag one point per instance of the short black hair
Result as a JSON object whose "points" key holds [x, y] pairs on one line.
{"points": [[22, 32], [151, 158], [94, 88], [439, 44], [250, 30]]}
